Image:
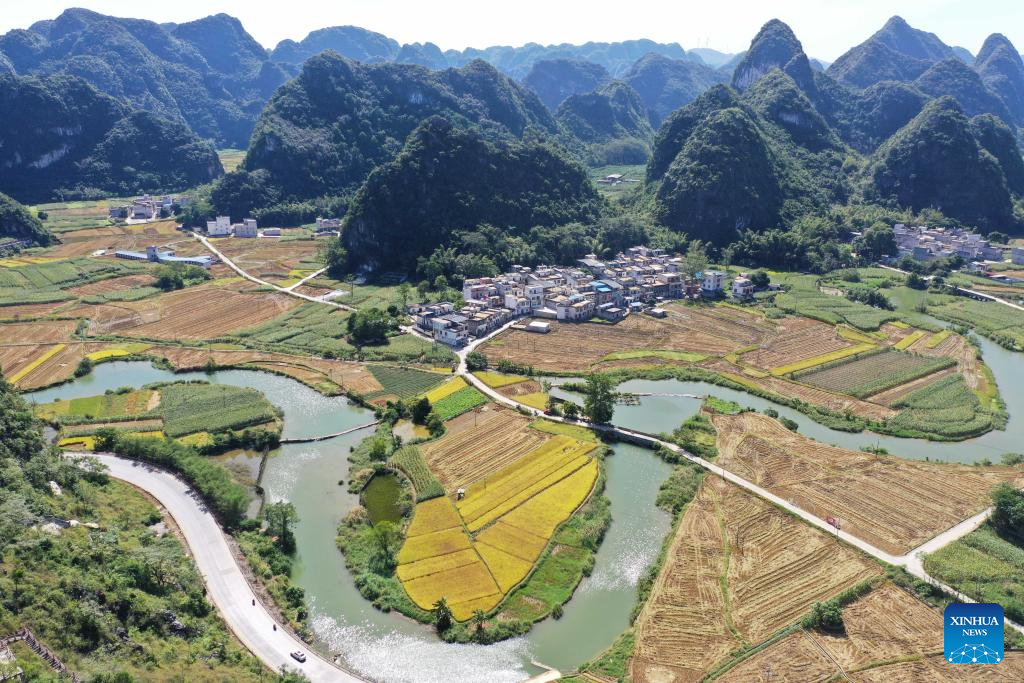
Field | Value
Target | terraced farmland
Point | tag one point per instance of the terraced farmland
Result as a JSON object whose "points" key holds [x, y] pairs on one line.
{"points": [[874, 373], [892, 503], [480, 443], [737, 568], [513, 514]]}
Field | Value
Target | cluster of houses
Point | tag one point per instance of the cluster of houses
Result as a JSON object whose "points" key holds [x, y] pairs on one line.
{"points": [[633, 282], [147, 208], [153, 254], [925, 244]]}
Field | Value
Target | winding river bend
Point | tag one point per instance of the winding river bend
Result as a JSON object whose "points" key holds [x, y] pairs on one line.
{"points": [[389, 648]]}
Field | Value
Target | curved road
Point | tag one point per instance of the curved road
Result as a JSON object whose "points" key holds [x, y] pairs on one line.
{"points": [[226, 585]]}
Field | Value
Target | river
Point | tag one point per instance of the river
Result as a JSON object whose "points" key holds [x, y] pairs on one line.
{"points": [[388, 647], [660, 413]]}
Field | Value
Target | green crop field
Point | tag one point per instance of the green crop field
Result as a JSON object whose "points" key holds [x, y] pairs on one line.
{"points": [[411, 462], [309, 328], [985, 566], [1002, 323], [458, 403], [403, 382], [190, 408], [871, 374], [231, 159], [804, 298], [54, 275], [946, 407]]}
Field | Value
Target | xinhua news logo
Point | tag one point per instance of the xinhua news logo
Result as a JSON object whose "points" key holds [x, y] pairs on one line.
{"points": [[973, 633]]}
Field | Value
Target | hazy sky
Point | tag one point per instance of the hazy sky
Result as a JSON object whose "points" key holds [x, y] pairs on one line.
{"points": [[827, 28]]}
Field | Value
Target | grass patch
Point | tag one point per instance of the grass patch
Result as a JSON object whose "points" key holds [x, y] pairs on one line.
{"points": [[909, 340], [575, 431]]}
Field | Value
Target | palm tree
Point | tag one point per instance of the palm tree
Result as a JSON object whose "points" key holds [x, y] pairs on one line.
{"points": [[442, 615], [479, 618]]}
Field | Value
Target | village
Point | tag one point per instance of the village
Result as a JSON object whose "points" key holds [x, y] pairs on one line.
{"points": [[634, 282]]}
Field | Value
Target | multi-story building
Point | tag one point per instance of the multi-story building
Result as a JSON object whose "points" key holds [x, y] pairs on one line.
{"points": [[221, 227]]}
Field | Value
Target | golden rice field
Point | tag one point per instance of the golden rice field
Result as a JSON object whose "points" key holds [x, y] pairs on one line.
{"points": [[445, 390], [475, 551]]}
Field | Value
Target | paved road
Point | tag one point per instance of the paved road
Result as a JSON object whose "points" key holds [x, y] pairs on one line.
{"points": [[306, 279], [226, 586], [252, 278]]}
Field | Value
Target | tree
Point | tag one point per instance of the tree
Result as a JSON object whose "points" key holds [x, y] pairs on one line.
{"points": [[420, 411], [995, 236], [760, 279], [696, 259], [435, 425], [1008, 510], [599, 402], [479, 619], [915, 281], [404, 292], [826, 616], [440, 283], [335, 259], [442, 615], [570, 410], [476, 361], [280, 516], [369, 326], [387, 539]]}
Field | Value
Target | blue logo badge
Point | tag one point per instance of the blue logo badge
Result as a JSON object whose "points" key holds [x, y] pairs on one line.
{"points": [[973, 632]]}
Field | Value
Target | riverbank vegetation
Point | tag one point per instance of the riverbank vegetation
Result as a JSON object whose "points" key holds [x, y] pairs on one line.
{"points": [[112, 593]]}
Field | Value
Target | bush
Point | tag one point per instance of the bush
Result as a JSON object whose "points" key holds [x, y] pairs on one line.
{"points": [[826, 616]]}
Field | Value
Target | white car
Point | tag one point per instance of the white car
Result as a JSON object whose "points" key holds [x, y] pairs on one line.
{"points": [[298, 657]]}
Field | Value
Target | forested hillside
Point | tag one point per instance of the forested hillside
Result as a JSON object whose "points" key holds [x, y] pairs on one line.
{"points": [[62, 138], [324, 132], [17, 223], [453, 178], [208, 73]]}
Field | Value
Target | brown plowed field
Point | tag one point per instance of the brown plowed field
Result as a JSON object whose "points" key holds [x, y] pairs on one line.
{"points": [[28, 311], [268, 258], [57, 368], [774, 568], [203, 313], [480, 443], [795, 340], [49, 332], [892, 503], [114, 284], [576, 347], [887, 625]]}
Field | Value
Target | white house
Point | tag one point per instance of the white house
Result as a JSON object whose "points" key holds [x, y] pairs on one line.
{"points": [[742, 288], [220, 227], [246, 228], [712, 282]]}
